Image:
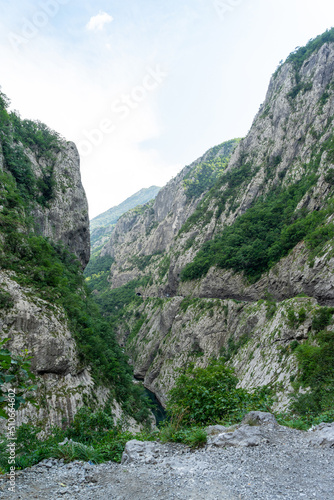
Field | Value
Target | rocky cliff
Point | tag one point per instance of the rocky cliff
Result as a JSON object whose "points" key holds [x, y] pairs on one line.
{"points": [[44, 244], [103, 225], [240, 266], [66, 217]]}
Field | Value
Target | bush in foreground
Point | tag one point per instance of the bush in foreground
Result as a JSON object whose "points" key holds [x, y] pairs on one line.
{"points": [[204, 396]]}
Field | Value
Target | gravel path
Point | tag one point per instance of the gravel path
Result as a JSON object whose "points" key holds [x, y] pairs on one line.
{"points": [[285, 468]]}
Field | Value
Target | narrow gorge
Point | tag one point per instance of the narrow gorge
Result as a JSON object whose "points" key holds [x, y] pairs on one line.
{"points": [[234, 258], [214, 293]]}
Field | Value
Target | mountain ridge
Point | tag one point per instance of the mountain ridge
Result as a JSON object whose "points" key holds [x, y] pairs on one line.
{"points": [[102, 225], [243, 269]]}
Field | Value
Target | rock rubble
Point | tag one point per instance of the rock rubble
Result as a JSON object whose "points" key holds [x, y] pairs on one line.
{"points": [[288, 464]]}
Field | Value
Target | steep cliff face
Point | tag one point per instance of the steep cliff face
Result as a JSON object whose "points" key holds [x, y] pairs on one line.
{"points": [[66, 217], [256, 243], [64, 383], [46, 169], [151, 230], [103, 225], [44, 244]]}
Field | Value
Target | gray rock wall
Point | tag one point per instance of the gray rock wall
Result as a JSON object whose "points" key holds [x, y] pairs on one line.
{"points": [[67, 218], [287, 137]]}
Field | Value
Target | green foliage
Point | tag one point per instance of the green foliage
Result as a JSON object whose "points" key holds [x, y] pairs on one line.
{"points": [[20, 167], [90, 426], [203, 177], [49, 270], [164, 266], [186, 302], [322, 318], [233, 347], [231, 181], [301, 54], [195, 437], [316, 371], [293, 320], [137, 327], [4, 101], [203, 396], [142, 261], [271, 309], [189, 243], [15, 371], [305, 421], [300, 87], [97, 272], [92, 436], [318, 238], [37, 136], [56, 276], [6, 300], [329, 177], [262, 236], [293, 345], [323, 99], [301, 315], [17, 134], [113, 302]]}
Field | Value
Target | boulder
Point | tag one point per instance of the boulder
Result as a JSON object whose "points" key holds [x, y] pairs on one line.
{"points": [[245, 436], [140, 452], [214, 430], [322, 435], [259, 418]]}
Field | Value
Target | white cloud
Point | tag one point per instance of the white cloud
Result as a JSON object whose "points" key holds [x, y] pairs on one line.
{"points": [[97, 23]]}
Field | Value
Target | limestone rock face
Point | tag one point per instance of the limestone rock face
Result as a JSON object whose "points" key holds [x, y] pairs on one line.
{"points": [[214, 430], [244, 436], [141, 452], [259, 418], [226, 314], [57, 209], [172, 336], [66, 219], [284, 137], [322, 435], [63, 383]]}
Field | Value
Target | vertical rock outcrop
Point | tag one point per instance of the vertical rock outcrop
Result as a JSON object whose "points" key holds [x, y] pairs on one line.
{"points": [[66, 218], [291, 139]]}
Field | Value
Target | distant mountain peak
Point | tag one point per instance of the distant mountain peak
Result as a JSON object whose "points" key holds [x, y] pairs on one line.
{"points": [[102, 225]]}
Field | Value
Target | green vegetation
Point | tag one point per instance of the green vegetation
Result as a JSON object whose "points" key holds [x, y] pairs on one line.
{"points": [[195, 437], [15, 371], [189, 243], [17, 134], [56, 276], [300, 87], [6, 300], [204, 396], [93, 436], [225, 189], [233, 347], [97, 272], [111, 216], [199, 304], [301, 54], [143, 261], [49, 270], [164, 266], [316, 371], [137, 326], [203, 177], [113, 302], [263, 235]]}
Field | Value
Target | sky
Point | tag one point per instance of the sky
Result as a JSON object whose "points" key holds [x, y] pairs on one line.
{"points": [[145, 87]]}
